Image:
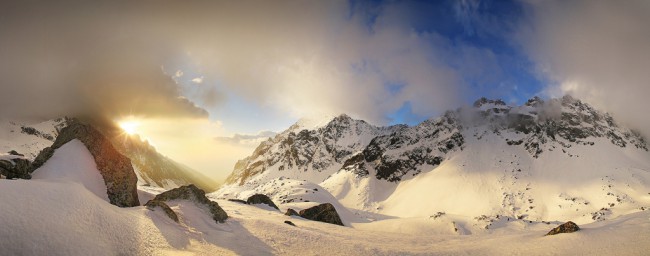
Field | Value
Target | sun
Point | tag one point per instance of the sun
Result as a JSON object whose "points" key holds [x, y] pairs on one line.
{"points": [[130, 127]]}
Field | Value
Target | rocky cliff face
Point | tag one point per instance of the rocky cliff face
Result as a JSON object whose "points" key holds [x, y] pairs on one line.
{"points": [[318, 151], [559, 159], [395, 151], [115, 168]]}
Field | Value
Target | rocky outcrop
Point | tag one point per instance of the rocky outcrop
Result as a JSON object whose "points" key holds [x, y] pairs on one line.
{"points": [[170, 213], [323, 213], [115, 168], [15, 168], [238, 201], [291, 212], [568, 227], [190, 193], [261, 199]]}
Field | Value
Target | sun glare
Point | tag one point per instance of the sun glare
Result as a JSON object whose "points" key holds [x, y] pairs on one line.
{"points": [[130, 127]]}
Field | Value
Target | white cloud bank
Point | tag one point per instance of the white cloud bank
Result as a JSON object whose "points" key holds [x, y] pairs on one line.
{"points": [[596, 50]]}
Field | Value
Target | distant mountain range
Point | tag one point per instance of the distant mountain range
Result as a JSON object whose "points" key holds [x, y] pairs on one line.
{"points": [[544, 160]]}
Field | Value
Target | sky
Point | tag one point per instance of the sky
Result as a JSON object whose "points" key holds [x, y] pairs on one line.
{"points": [[206, 81]]}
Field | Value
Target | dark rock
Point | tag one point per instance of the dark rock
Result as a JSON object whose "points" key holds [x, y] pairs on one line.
{"points": [[568, 227], [14, 153], [42, 157], [190, 193], [115, 168], [323, 213], [170, 213], [238, 201], [261, 199], [33, 131], [17, 168], [290, 223], [291, 212]]}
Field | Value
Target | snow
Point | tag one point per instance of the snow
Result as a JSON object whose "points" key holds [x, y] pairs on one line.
{"points": [[492, 178], [312, 122], [64, 218], [29, 145], [73, 162], [488, 199]]}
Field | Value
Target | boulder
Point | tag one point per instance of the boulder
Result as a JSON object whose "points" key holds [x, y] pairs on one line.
{"points": [[17, 168], [170, 213], [290, 223], [291, 212], [115, 168], [238, 201], [15, 153], [568, 227], [261, 199], [190, 193], [323, 213]]}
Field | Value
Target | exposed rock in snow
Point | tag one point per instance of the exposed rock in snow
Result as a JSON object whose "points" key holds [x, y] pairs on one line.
{"points": [[191, 193], [291, 212], [15, 166], [261, 199], [151, 204], [115, 168], [323, 213], [519, 162], [568, 227], [238, 201]]}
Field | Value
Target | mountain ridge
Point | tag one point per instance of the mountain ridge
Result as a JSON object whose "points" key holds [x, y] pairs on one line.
{"points": [[543, 160], [545, 122]]}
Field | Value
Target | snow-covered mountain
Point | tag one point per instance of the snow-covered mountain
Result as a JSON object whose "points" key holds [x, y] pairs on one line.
{"points": [[151, 167], [555, 160], [422, 208]]}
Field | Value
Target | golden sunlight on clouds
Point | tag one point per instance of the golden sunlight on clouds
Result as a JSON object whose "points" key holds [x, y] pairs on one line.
{"points": [[190, 141], [130, 127]]}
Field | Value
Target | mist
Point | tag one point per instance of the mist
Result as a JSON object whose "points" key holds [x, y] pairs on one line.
{"points": [[597, 51], [117, 58]]}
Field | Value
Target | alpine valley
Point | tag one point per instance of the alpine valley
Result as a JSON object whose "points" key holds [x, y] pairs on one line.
{"points": [[485, 179]]}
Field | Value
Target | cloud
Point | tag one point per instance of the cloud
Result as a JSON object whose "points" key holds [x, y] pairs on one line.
{"points": [[296, 57], [197, 80], [76, 58], [246, 139], [597, 50]]}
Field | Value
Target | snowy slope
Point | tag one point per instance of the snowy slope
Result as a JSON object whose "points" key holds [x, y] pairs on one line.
{"points": [[543, 161], [73, 162], [63, 218], [26, 139], [440, 211]]}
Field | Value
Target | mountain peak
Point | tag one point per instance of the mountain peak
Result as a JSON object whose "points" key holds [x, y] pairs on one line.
{"points": [[483, 101], [395, 151], [534, 102]]}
